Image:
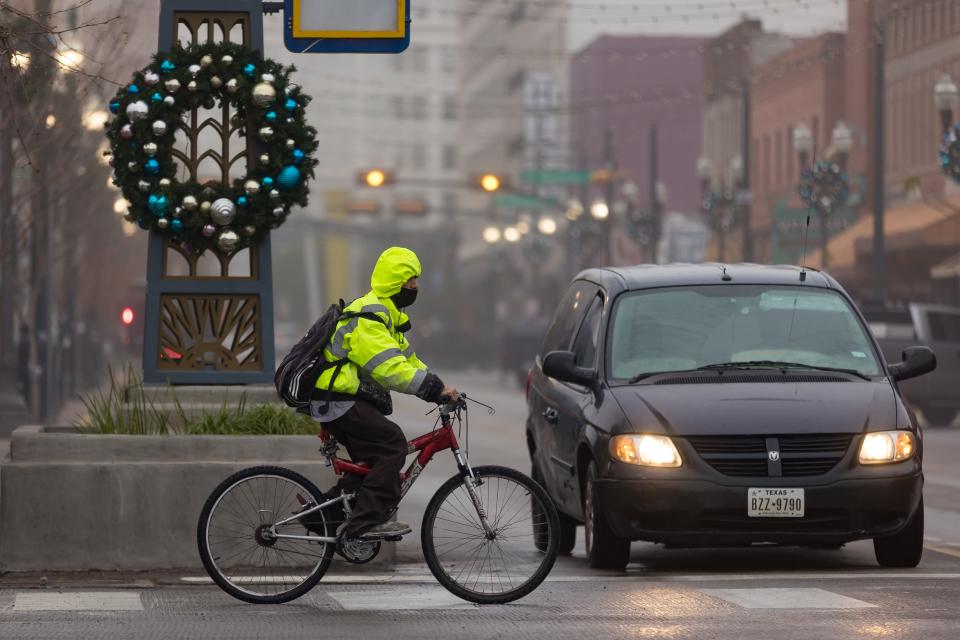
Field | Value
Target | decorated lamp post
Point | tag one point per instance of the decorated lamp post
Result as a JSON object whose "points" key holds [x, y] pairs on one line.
{"points": [[824, 185], [719, 206], [946, 96]]}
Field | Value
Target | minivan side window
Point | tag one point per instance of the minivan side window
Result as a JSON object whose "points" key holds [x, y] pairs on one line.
{"points": [[571, 309], [585, 345]]}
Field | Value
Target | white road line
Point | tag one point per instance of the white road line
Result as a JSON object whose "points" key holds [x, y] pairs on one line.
{"points": [[437, 598], [79, 601], [786, 598]]}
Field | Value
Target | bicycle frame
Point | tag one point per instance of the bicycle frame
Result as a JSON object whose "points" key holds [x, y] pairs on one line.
{"points": [[428, 445]]}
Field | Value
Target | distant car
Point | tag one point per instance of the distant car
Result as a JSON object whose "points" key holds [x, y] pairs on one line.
{"points": [[699, 405], [937, 327]]}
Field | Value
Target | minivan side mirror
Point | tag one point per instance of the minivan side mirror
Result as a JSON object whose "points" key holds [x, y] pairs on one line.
{"points": [[916, 362], [562, 366]]}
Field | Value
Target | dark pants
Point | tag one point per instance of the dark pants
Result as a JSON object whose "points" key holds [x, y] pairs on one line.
{"points": [[370, 437]]}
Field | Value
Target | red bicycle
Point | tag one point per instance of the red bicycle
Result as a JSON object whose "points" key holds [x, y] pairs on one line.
{"points": [[489, 534]]}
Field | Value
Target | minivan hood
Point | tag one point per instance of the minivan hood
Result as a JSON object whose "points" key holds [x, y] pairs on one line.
{"points": [[759, 408]]}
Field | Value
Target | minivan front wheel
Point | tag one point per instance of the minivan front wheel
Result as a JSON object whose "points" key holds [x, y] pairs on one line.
{"points": [[902, 549], [605, 549]]}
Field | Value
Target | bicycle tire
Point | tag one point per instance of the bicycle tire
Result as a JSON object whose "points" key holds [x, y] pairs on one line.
{"points": [[207, 557], [534, 491]]}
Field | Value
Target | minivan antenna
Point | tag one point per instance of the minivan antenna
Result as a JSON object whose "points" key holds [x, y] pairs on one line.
{"points": [[803, 260]]}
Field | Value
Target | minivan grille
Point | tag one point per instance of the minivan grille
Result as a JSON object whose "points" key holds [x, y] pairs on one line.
{"points": [[749, 456]]}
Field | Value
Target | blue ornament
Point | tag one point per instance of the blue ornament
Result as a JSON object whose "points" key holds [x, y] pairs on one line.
{"points": [[288, 178], [166, 66], [176, 225], [133, 89], [158, 205], [271, 116], [144, 223], [267, 182], [242, 201], [298, 155], [249, 69], [290, 104], [114, 107], [156, 97], [151, 167]]}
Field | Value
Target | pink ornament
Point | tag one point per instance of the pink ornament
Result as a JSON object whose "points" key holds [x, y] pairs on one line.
{"points": [[126, 132], [209, 230]]}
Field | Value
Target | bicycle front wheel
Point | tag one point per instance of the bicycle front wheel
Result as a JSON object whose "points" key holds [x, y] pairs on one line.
{"points": [[505, 560], [239, 548]]}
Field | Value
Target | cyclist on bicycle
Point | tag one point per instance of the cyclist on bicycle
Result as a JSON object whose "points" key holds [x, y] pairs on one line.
{"points": [[352, 400]]}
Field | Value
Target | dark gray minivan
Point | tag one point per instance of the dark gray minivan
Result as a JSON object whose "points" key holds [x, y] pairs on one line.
{"points": [[709, 405]]}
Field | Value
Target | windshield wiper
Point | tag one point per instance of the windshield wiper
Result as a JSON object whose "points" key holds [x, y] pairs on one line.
{"points": [[777, 364]]}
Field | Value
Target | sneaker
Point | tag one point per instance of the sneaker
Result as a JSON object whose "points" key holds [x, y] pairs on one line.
{"points": [[395, 528]]}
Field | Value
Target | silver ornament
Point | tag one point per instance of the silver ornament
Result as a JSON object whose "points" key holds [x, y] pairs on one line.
{"points": [[228, 59], [164, 182], [191, 86], [132, 166], [163, 223], [150, 149], [206, 61], [266, 133], [189, 203], [228, 241], [274, 194], [232, 85], [216, 82], [268, 77], [205, 206], [169, 101], [289, 120], [159, 127], [265, 158], [143, 185], [151, 78], [177, 212], [223, 211], [172, 85], [137, 110], [291, 143], [263, 94], [252, 187], [249, 229], [194, 69], [278, 211], [291, 88]]}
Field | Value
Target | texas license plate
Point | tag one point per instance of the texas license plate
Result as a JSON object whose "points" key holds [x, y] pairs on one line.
{"points": [[775, 503]]}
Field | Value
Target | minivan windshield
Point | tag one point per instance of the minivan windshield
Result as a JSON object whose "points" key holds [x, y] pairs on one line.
{"points": [[685, 328]]}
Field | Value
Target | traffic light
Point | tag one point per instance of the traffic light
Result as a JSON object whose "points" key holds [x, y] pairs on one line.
{"points": [[375, 178], [489, 182], [127, 316]]}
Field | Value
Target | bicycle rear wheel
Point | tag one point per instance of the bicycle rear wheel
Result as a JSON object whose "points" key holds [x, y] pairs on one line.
{"points": [[235, 538], [497, 567]]}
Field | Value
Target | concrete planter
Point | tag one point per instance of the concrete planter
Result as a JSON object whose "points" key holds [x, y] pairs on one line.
{"points": [[76, 502]]}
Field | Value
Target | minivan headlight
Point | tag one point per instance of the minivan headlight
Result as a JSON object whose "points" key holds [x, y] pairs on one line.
{"points": [[645, 449], [887, 446]]}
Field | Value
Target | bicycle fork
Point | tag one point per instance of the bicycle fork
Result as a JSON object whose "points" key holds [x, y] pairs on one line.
{"points": [[470, 483]]}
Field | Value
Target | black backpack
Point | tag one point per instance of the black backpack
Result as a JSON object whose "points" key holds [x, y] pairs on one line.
{"points": [[296, 377]]}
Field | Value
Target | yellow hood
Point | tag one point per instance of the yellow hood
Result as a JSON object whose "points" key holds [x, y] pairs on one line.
{"points": [[394, 267]]}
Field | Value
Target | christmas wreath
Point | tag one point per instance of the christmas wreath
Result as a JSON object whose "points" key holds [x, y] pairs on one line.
{"points": [[824, 187], [211, 214], [950, 153]]}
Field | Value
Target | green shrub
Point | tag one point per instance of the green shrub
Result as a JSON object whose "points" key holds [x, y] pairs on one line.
{"points": [[123, 408]]}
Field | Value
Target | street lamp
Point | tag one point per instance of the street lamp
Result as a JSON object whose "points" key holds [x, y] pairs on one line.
{"points": [[842, 140], [547, 225], [574, 209], [599, 210], [491, 235], [802, 144], [511, 234], [94, 119], [20, 60], [946, 96]]}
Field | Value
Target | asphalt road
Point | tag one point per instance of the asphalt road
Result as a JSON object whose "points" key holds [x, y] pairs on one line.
{"points": [[785, 593]]}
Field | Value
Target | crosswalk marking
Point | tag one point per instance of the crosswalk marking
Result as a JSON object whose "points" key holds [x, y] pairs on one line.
{"points": [[412, 600], [787, 598], [80, 601]]}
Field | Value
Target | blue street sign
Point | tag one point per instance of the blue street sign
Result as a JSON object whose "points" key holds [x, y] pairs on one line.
{"points": [[346, 26]]}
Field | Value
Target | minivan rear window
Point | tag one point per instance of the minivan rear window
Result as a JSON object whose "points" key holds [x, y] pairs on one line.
{"points": [[683, 328], [944, 326]]}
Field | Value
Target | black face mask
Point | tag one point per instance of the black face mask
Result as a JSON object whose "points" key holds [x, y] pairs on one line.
{"points": [[405, 298]]}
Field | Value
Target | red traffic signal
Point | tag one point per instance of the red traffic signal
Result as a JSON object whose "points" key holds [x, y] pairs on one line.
{"points": [[127, 316]]}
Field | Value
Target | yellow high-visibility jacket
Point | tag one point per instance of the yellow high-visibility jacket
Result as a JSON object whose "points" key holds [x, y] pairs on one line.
{"points": [[378, 348]]}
